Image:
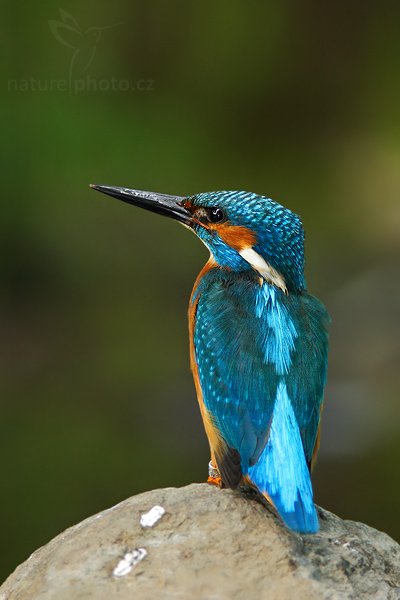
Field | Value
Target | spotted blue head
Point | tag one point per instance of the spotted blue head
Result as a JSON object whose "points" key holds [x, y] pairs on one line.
{"points": [[243, 231]]}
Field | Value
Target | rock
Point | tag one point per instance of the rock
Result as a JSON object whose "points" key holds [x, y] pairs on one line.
{"points": [[207, 544]]}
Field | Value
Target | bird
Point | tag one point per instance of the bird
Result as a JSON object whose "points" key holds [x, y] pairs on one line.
{"points": [[83, 42], [258, 345]]}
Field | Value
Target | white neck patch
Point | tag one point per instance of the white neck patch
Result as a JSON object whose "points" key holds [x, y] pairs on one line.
{"points": [[263, 268]]}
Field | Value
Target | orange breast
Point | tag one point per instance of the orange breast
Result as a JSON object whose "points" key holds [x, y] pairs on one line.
{"points": [[217, 445]]}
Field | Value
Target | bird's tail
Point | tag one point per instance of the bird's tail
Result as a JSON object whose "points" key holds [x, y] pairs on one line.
{"points": [[302, 518], [281, 473]]}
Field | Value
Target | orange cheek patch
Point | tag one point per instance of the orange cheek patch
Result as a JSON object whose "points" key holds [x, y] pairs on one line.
{"points": [[236, 236]]}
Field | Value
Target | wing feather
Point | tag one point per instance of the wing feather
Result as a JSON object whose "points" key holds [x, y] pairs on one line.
{"points": [[248, 339]]}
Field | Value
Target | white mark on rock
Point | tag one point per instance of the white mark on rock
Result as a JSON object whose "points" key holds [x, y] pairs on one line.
{"points": [[130, 560], [349, 547], [150, 518], [345, 545]]}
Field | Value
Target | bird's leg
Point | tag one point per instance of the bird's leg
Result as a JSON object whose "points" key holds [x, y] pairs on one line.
{"points": [[214, 477]]}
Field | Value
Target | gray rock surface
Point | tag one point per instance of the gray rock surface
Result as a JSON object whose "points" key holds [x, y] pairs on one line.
{"points": [[208, 544]]}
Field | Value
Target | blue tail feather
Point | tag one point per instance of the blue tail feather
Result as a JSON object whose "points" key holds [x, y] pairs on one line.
{"points": [[281, 471], [300, 519]]}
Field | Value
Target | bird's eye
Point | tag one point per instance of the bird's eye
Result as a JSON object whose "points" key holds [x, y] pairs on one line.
{"points": [[215, 214]]}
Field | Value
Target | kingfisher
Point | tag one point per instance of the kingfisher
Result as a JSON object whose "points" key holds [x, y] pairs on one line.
{"points": [[258, 344]]}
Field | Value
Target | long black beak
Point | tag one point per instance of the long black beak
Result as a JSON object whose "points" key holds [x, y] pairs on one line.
{"points": [[170, 206]]}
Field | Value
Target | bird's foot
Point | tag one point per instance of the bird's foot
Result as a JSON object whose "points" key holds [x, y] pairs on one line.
{"points": [[214, 477], [215, 481]]}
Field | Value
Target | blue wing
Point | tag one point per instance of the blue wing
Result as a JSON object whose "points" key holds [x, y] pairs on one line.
{"points": [[262, 359]]}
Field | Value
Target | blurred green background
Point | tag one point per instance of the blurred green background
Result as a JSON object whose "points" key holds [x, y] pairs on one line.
{"points": [[297, 101]]}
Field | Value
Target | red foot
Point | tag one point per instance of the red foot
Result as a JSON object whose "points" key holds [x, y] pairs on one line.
{"points": [[215, 481]]}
